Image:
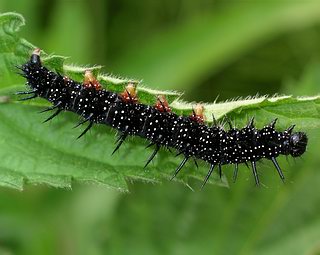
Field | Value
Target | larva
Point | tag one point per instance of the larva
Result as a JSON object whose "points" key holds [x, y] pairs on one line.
{"points": [[189, 135]]}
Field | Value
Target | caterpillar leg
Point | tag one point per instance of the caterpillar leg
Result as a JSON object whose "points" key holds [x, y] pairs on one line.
{"points": [[228, 121], [196, 163], [273, 123], [27, 98], [278, 168], [152, 155], [25, 92], [179, 153], [183, 162], [207, 176], [86, 130], [214, 121], [84, 121], [220, 171], [235, 173], [251, 123], [120, 140], [53, 115], [255, 173], [22, 73], [51, 108], [289, 129], [149, 145]]}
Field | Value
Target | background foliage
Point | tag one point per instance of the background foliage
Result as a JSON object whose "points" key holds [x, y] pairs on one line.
{"points": [[205, 48]]}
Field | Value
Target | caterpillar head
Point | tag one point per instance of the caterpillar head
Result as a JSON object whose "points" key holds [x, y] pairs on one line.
{"points": [[298, 143], [35, 57]]}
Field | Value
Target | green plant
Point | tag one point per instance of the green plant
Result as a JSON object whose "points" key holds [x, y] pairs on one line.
{"points": [[30, 151]]}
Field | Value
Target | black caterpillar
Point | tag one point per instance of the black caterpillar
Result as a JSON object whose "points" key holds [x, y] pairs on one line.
{"points": [[189, 135]]}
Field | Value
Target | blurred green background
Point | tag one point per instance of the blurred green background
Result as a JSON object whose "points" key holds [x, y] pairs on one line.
{"points": [[206, 48]]}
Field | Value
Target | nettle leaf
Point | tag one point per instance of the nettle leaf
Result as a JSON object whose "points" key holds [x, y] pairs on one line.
{"points": [[50, 154]]}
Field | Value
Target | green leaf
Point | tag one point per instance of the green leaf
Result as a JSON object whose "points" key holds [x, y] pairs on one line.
{"points": [[49, 153]]}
